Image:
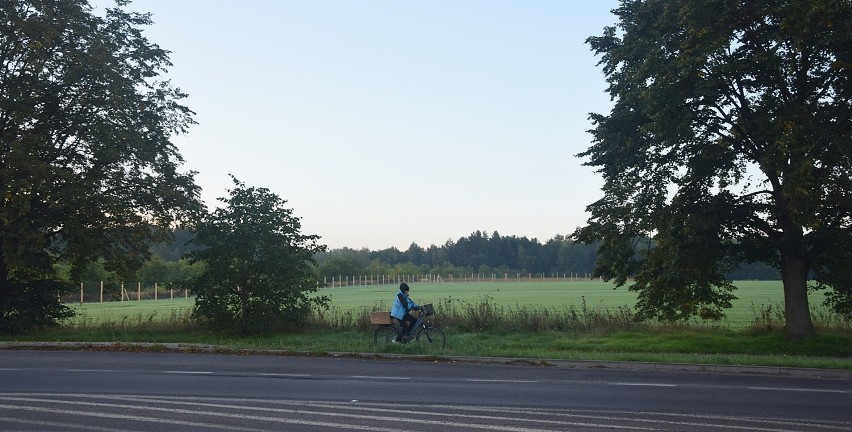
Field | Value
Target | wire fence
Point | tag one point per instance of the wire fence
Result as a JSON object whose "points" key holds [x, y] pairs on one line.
{"points": [[362, 280], [101, 291]]}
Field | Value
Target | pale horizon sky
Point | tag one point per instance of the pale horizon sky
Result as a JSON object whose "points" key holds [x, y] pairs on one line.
{"points": [[384, 123]]}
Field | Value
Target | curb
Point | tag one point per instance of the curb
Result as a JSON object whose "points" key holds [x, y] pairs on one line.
{"points": [[841, 374]]}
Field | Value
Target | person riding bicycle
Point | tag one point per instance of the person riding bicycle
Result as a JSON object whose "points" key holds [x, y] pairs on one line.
{"points": [[402, 305]]}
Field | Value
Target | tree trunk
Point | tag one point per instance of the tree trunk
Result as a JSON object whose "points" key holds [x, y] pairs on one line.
{"points": [[243, 310], [5, 294], [797, 313]]}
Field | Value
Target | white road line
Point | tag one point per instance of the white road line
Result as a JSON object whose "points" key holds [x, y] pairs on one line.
{"points": [[301, 411], [597, 418], [58, 425], [190, 412], [690, 420], [88, 370], [284, 375], [348, 405], [499, 381], [643, 384], [188, 372], [124, 417], [380, 377], [790, 389], [412, 414]]}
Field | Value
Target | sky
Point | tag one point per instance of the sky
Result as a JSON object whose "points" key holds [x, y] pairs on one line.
{"points": [[386, 123]]}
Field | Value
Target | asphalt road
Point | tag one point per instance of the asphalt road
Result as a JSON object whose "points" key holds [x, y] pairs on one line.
{"points": [[122, 391]]}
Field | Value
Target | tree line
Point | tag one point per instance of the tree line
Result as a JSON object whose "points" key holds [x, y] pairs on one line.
{"points": [[477, 253], [481, 253]]}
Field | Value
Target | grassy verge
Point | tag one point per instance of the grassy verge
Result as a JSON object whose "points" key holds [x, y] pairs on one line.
{"points": [[697, 346], [488, 329]]}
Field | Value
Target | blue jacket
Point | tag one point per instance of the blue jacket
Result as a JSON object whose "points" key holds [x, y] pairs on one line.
{"points": [[401, 305]]}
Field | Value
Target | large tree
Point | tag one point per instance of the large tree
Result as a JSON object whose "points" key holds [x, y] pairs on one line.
{"points": [[729, 140], [259, 266], [87, 168]]}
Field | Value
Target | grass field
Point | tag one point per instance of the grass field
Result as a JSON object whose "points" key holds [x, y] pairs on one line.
{"points": [[131, 311], [596, 329], [755, 297]]}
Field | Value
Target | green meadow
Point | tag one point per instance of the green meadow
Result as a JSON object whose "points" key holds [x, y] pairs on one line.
{"points": [[130, 311], [755, 300]]}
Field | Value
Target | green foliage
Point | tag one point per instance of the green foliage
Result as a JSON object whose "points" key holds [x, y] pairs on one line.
{"points": [[33, 304], [259, 266], [168, 273], [728, 142], [479, 253], [87, 169], [176, 247], [338, 265], [476, 253]]}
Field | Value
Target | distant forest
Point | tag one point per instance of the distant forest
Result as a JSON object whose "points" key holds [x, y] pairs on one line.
{"points": [[481, 253], [478, 253]]}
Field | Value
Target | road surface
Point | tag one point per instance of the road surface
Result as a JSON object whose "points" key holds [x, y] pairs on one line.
{"points": [[122, 391]]}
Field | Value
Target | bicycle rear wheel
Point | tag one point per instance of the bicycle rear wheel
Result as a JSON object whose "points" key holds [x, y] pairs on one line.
{"points": [[384, 335], [431, 338]]}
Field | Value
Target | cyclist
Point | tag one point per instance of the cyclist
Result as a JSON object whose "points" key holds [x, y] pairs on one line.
{"points": [[402, 304]]}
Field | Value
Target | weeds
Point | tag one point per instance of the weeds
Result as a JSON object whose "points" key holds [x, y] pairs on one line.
{"points": [[487, 316], [768, 318]]}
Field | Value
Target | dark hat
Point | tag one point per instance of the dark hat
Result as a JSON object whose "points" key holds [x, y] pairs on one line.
{"points": [[403, 286]]}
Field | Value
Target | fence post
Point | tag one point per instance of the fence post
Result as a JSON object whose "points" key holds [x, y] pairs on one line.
{"points": [[81, 292], [155, 291], [102, 291], [139, 291]]}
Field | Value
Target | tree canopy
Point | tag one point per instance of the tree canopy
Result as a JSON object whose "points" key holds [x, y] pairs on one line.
{"points": [[87, 168], [729, 140], [478, 252], [259, 266]]}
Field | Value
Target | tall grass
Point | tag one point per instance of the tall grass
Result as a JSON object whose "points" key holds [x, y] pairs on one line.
{"points": [[770, 317], [487, 316]]}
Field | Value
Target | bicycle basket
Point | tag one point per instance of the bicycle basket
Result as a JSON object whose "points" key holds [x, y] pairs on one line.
{"points": [[428, 310], [380, 318]]}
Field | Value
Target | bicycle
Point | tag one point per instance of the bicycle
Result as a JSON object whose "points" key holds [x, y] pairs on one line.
{"points": [[422, 332]]}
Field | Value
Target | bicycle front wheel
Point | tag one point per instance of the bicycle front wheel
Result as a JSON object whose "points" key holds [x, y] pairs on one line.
{"points": [[431, 338], [385, 335]]}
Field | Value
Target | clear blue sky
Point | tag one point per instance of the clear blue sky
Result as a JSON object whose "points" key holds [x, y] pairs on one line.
{"points": [[384, 123]]}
